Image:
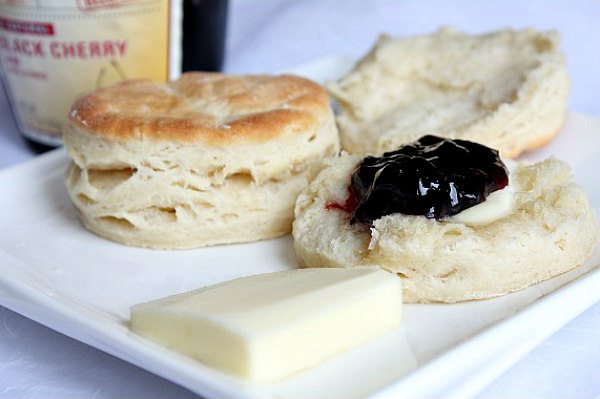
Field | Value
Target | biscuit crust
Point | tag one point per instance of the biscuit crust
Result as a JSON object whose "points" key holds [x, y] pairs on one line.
{"points": [[201, 106]]}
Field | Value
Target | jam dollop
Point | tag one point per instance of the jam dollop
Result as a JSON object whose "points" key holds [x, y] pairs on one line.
{"points": [[433, 177]]}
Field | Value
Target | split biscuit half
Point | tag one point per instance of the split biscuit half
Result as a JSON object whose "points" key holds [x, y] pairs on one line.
{"points": [[506, 89], [552, 229]]}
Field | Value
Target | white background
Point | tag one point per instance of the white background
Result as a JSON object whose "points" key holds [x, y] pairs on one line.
{"points": [[271, 35]]}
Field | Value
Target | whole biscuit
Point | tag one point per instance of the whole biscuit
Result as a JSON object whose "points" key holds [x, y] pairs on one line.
{"points": [[207, 159]]}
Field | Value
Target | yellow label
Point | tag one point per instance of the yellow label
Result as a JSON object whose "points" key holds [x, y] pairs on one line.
{"points": [[51, 51]]}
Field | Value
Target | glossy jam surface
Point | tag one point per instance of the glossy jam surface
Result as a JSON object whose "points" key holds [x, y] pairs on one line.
{"points": [[433, 177]]}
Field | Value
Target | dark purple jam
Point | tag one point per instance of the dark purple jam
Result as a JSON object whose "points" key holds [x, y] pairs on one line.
{"points": [[433, 177]]}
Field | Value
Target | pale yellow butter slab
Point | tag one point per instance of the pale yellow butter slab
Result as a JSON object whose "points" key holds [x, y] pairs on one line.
{"points": [[269, 326]]}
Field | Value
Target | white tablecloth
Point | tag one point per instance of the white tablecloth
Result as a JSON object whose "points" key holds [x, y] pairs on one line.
{"points": [[36, 362]]}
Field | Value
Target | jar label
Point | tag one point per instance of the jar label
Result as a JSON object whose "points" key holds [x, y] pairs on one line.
{"points": [[51, 51]]}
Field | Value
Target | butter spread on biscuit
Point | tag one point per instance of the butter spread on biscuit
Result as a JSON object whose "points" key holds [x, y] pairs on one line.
{"points": [[269, 326], [496, 206]]}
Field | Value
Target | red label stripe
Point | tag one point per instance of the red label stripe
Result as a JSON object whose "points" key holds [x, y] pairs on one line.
{"points": [[27, 27]]}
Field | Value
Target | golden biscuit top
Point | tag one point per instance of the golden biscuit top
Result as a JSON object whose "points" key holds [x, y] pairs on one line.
{"points": [[203, 106]]}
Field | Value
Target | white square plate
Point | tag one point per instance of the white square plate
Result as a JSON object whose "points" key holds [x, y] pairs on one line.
{"points": [[54, 271]]}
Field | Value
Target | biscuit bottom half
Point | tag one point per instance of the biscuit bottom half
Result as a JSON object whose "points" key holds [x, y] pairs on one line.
{"points": [[551, 231]]}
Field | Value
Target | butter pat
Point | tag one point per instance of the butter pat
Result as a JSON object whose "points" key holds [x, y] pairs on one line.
{"points": [[269, 326], [496, 206]]}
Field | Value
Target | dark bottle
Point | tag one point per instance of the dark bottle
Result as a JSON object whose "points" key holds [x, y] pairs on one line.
{"points": [[36, 147], [204, 27]]}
